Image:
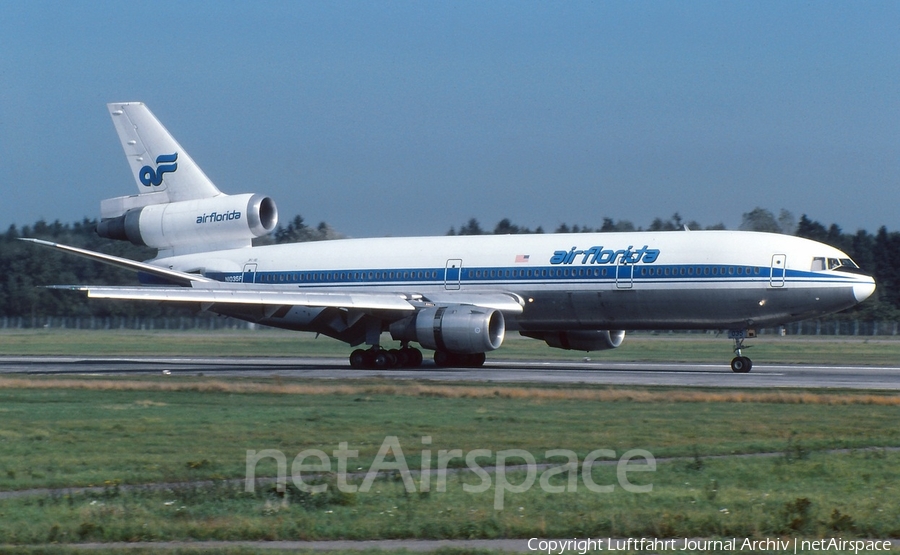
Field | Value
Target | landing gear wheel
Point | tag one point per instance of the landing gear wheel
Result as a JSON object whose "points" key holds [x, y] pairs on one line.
{"points": [[368, 359], [476, 360], [381, 359], [358, 359], [401, 356], [413, 357], [442, 359], [741, 365]]}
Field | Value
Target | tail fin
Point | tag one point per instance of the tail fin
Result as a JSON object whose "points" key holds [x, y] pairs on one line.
{"points": [[178, 209], [160, 166]]}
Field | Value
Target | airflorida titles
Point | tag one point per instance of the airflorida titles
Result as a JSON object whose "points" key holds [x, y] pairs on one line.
{"points": [[600, 255], [218, 217]]}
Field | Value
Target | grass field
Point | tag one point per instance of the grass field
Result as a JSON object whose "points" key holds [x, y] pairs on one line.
{"points": [[113, 432], [196, 431], [637, 347]]}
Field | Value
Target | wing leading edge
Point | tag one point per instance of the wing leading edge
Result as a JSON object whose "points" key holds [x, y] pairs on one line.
{"points": [[246, 295]]}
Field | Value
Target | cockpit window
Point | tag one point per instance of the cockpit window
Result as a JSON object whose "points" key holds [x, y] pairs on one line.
{"points": [[821, 263], [848, 265]]}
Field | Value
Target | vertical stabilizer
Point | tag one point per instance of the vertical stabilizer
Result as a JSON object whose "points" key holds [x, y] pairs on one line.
{"points": [[161, 168], [178, 209]]}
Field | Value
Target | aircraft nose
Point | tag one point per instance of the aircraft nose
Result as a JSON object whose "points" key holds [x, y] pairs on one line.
{"points": [[864, 290]]}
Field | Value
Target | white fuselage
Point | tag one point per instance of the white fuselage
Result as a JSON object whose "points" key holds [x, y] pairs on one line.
{"points": [[641, 280]]}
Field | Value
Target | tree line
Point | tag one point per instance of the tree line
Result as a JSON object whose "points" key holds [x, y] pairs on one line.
{"points": [[27, 266]]}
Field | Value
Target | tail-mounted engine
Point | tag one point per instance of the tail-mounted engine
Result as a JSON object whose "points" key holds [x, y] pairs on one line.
{"points": [[222, 221], [458, 329], [580, 340]]}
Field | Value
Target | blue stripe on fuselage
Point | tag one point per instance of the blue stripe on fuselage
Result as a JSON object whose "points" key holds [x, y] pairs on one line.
{"points": [[672, 273]]}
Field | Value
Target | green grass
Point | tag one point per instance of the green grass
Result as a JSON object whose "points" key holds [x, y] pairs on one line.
{"points": [[104, 434], [637, 347], [66, 437], [847, 495], [108, 432]]}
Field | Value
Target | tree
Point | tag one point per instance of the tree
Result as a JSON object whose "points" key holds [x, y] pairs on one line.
{"points": [[297, 232], [759, 219], [622, 225], [787, 222], [506, 227], [471, 228], [810, 229]]}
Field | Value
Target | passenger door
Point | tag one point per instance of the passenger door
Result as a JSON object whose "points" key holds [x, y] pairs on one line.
{"points": [[453, 274], [777, 271]]}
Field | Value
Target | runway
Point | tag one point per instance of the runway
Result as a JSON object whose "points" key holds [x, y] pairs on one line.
{"points": [[497, 371]]}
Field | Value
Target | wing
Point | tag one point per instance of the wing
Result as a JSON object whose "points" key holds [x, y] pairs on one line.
{"points": [[195, 288], [246, 295]]}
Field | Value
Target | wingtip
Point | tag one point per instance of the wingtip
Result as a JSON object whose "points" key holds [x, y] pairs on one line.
{"points": [[38, 241]]}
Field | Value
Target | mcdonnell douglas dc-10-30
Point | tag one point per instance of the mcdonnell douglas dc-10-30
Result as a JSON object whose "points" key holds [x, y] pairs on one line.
{"points": [[455, 295]]}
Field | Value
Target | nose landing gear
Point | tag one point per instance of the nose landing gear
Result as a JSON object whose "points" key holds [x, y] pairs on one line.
{"points": [[740, 364]]}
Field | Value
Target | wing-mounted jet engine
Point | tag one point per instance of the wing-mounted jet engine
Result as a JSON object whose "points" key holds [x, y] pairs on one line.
{"points": [[580, 340], [459, 334]]}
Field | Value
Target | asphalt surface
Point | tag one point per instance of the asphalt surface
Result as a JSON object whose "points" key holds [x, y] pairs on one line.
{"points": [[587, 372]]}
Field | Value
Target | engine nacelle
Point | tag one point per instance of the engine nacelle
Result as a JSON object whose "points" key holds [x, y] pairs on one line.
{"points": [[221, 220], [459, 329], [581, 340]]}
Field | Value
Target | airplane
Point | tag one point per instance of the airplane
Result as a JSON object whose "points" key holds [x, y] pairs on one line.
{"points": [[454, 295]]}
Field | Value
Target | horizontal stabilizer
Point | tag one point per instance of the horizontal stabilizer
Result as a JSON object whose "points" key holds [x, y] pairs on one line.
{"points": [[164, 273]]}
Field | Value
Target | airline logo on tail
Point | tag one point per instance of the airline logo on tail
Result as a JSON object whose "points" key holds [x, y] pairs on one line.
{"points": [[165, 163]]}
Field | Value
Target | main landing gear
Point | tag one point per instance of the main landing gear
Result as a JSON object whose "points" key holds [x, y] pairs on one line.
{"points": [[740, 364], [376, 357], [410, 357], [443, 359]]}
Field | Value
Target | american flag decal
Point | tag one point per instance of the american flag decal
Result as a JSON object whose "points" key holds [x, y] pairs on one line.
{"points": [[520, 258]]}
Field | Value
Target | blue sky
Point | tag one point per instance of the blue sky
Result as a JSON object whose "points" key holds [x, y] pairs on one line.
{"points": [[407, 118]]}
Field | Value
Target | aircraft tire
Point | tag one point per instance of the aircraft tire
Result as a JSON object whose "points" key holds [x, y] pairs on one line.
{"points": [[358, 359], [741, 365], [401, 356], [476, 360], [442, 359], [381, 359], [413, 357]]}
